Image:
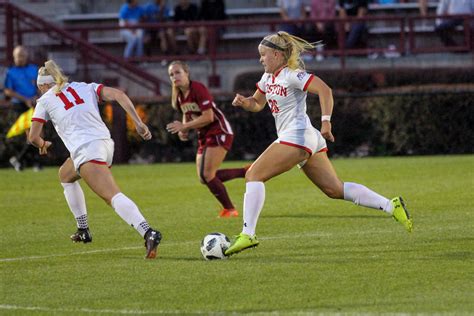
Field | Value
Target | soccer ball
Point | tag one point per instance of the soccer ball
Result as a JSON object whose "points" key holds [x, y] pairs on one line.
{"points": [[214, 245]]}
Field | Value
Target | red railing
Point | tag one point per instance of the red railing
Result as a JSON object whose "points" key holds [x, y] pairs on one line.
{"points": [[19, 22], [213, 28], [80, 37]]}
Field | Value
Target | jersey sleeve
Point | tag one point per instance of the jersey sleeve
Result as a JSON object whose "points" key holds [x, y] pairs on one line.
{"points": [[261, 84], [203, 97], [40, 114], [299, 79], [97, 87]]}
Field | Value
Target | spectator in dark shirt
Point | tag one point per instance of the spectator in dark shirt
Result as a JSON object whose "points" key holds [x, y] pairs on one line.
{"points": [[187, 12], [156, 11], [357, 30], [211, 10], [20, 86]]}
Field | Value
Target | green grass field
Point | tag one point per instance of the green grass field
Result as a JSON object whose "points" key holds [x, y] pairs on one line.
{"points": [[316, 255]]}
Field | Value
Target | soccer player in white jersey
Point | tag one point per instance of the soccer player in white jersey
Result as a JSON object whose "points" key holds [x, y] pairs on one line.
{"points": [[284, 86], [74, 112]]}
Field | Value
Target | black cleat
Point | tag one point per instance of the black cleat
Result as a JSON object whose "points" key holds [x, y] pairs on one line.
{"points": [[82, 235], [152, 240]]}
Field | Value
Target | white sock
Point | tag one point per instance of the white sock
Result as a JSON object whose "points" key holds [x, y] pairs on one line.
{"points": [[76, 202], [253, 203], [129, 212], [362, 195]]}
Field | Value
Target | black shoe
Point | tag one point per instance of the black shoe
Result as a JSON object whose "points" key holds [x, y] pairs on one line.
{"points": [[152, 240], [82, 235]]}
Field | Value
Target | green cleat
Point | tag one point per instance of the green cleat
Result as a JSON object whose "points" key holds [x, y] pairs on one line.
{"points": [[242, 242], [400, 213]]}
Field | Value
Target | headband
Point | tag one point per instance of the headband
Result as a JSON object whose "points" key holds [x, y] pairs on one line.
{"points": [[267, 43], [44, 79]]}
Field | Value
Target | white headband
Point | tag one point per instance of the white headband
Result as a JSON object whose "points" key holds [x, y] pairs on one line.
{"points": [[44, 79]]}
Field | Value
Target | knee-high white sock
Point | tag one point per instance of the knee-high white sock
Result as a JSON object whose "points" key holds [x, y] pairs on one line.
{"points": [[361, 195], [253, 203], [130, 213], [76, 202]]}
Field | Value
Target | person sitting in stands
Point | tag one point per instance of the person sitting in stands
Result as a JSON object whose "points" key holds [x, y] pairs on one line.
{"points": [[131, 14], [187, 12], [357, 30], [156, 11], [211, 10], [447, 26]]}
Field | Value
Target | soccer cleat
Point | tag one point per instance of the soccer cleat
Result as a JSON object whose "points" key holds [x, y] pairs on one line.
{"points": [[152, 240], [82, 235], [242, 242], [230, 212], [400, 213], [15, 163]]}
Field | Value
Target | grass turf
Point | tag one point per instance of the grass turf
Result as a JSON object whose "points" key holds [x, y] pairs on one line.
{"points": [[316, 255]]}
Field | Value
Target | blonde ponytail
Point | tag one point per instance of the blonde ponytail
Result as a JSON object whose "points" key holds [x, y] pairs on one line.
{"points": [[291, 46], [174, 89], [52, 69]]}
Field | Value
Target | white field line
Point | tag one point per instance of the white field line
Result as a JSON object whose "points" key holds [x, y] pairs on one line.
{"points": [[94, 311], [179, 312], [308, 235]]}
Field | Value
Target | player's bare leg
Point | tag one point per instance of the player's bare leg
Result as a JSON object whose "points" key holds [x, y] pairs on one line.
{"points": [[320, 171], [100, 180], [275, 160]]}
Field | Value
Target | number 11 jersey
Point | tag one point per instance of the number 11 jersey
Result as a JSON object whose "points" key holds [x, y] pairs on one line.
{"points": [[74, 112]]}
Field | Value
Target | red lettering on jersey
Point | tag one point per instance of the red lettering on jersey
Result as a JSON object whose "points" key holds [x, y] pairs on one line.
{"points": [[68, 104], [273, 106], [277, 89]]}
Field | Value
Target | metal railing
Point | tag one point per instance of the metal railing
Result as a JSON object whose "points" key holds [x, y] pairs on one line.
{"points": [[19, 22]]}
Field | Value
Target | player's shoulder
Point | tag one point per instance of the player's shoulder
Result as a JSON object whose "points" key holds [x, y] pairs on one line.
{"points": [[198, 85]]}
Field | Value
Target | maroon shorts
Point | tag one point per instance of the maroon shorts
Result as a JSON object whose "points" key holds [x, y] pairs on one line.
{"points": [[223, 140]]}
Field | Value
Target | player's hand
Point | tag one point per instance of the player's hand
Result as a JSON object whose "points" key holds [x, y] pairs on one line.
{"points": [[175, 127], [183, 136], [326, 131], [44, 150], [239, 100], [143, 131]]}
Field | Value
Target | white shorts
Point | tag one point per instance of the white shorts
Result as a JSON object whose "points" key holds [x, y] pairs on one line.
{"points": [[309, 139], [100, 151]]}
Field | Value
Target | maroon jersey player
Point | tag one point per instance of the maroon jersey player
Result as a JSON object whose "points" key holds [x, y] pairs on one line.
{"points": [[215, 136]]}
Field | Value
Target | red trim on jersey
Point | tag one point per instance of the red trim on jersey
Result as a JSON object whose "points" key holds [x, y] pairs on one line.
{"points": [[99, 90], [98, 162], [258, 88], [279, 70], [297, 146], [308, 82], [325, 149], [37, 119]]}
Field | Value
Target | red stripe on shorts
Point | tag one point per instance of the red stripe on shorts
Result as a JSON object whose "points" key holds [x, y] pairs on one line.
{"points": [[98, 162]]}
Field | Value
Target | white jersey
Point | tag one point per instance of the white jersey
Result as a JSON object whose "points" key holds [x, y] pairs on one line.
{"points": [[74, 112], [285, 92]]}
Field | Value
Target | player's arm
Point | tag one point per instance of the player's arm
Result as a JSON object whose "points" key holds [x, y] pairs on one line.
{"points": [[35, 138], [254, 103], [112, 94], [13, 94], [326, 101], [206, 118]]}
